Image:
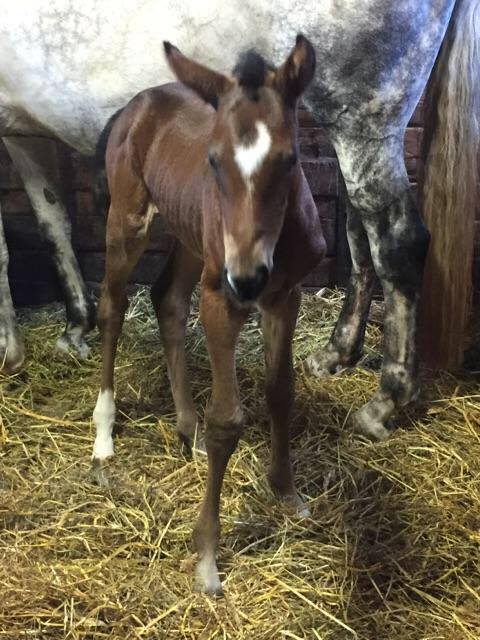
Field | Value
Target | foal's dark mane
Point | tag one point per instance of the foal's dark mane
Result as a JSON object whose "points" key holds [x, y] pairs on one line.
{"points": [[251, 69]]}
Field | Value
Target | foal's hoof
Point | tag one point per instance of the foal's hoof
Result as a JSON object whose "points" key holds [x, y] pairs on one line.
{"points": [[195, 445], [207, 579], [100, 473], [199, 446], [369, 426], [296, 505]]}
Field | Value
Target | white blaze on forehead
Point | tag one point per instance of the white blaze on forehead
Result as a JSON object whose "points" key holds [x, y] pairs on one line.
{"points": [[249, 158]]}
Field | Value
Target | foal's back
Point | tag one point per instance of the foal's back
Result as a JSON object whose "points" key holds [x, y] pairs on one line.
{"points": [[157, 150]]}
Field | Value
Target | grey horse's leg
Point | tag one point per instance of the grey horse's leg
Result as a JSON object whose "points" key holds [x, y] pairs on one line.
{"points": [[36, 161], [346, 342], [11, 343], [379, 191]]}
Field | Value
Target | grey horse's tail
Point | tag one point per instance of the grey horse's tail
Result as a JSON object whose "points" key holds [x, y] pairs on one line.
{"points": [[450, 187], [101, 193]]}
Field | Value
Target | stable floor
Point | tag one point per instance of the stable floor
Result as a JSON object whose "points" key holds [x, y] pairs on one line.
{"points": [[391, 549]]}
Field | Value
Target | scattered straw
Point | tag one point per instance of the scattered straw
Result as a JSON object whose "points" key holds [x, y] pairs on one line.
{"points": [[391, 550]]}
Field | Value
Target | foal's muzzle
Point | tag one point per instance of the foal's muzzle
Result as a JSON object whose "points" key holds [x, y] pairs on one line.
{"points": [[248, 288]]}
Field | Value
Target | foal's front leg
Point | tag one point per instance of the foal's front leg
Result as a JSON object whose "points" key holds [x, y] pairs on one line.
{"points": [[279, 319], [124, 248], [224, 424]]}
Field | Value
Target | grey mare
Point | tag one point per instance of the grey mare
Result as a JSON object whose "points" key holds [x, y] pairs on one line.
{"points": [[66, 67]]}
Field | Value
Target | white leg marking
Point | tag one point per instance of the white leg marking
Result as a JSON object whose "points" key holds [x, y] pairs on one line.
{"points": [[249, 158], [207, 579], [104, 418]]}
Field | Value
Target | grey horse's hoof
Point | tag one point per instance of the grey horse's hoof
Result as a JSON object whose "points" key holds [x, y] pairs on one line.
{"points": [[323, 364], [12, 351], [368, 425], [73, 341]]}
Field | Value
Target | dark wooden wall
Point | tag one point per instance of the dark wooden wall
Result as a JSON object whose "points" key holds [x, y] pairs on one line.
{"points": [[32, 276]]}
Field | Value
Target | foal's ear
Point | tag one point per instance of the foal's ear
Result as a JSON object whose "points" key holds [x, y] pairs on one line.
{"points": [[208, 84], [296, 73]]}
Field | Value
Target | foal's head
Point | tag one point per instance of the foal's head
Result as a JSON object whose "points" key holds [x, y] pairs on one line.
{"points": [[253, 153]]}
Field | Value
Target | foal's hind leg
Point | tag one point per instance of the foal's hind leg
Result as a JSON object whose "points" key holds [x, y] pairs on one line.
{"points": [[171, 296], [125, 245], [36, 161], [379, 190], [279, 320], [346, 342]]}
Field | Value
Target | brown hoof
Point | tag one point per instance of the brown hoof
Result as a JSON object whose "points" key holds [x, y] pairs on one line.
{"points": [[194, 445], [296, 505]]}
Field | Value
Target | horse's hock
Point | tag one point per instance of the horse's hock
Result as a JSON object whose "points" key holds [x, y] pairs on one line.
{"points": [[32, 276]]}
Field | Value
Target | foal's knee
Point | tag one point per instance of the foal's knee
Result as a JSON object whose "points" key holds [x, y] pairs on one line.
{"points": [[111, 308], [223, 432]]}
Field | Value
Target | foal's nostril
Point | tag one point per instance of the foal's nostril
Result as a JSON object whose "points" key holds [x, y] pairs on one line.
{"points": [[261, 276], [250, 287]]}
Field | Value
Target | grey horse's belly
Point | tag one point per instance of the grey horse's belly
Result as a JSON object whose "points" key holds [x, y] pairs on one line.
{"points": [[14, 121]]}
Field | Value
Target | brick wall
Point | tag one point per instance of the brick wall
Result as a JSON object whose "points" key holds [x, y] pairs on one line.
{"points": [[32, 276]]}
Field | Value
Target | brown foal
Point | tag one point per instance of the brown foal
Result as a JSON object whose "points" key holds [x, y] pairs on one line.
{"points": [[217, 157]]}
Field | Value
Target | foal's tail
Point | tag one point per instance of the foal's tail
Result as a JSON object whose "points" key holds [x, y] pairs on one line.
{"points": [[450, 187], [101, 193]]}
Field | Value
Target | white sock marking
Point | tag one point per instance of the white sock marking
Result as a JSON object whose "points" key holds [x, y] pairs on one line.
{"points": [[104, 418], [249, 158], [207, 576]]}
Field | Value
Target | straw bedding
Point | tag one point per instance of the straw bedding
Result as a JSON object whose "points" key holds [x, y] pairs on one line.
{"points": [[391, 549]]}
